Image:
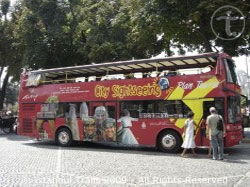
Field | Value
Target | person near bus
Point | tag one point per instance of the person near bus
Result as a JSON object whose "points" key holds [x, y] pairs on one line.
{"points": [[216, 135], [208, 136], [189, 135]]}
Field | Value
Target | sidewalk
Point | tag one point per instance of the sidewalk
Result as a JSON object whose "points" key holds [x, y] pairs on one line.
{"points": [[246, 139]]}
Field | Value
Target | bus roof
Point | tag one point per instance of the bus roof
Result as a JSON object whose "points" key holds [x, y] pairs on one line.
{"points": [[132, 66]]}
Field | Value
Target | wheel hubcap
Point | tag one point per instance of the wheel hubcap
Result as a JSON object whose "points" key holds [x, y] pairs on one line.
{"points": [[63, 137], [168, 141]]}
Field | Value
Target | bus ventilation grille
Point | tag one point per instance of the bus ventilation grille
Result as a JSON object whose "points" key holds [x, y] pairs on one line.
{"points": [[27, 125]]}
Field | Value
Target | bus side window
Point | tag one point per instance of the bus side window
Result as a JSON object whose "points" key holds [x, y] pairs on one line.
{"points": [[62, 108], [111, 111]]}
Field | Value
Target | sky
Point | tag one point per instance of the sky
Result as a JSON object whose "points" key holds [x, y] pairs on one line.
{"points": [[12, 2], [242, 63]]}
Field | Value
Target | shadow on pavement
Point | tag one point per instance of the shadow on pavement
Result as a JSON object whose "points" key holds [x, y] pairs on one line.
{"points": [[14, 137], [233, 155]]}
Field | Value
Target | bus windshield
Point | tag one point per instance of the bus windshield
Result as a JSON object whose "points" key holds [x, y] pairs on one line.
{"points": [[230, 71]]}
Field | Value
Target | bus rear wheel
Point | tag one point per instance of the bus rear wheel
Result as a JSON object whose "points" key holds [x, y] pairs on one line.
{"points": [[169, 141], [64, 137]]}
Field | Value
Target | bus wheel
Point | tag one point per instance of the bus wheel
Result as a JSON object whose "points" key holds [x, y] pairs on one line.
{"points": [[169, 141], [64, 137]]}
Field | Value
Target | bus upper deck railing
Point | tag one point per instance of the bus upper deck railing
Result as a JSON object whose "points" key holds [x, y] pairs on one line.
{"points": [[127, 68], [37, 79]]}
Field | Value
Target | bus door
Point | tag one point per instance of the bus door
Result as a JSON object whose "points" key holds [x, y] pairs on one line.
{"points": [[105, 114], [245, 112], [218, 103]]}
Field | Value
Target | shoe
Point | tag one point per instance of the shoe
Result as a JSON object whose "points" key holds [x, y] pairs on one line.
{"points": [[214, 158], [221, 158]]}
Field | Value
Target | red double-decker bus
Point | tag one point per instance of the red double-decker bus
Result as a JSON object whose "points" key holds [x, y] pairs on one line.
{"points": [[142, 102]]}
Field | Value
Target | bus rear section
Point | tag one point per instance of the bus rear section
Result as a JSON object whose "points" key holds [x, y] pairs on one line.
{"points": [[27, 118]]}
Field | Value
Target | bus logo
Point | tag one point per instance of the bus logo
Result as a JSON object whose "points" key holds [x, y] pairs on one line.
{"points": [[228, 23], [164, 83]]}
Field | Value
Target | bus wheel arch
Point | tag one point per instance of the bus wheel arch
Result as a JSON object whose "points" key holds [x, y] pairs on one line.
{"points": [[63, 136], [169, 141]]}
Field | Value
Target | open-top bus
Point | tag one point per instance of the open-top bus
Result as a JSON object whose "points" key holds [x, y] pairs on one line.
{"points": [[142, 102]]}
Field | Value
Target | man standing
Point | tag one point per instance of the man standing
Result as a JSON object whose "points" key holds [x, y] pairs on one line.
{"points": [[216, 135]]}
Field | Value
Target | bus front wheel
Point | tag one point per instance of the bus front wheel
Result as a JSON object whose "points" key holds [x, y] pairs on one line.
{"points": [[169, 141], [64, 137]]}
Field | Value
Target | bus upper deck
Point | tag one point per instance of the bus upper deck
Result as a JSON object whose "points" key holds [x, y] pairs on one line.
{"points": [[124, 69]]}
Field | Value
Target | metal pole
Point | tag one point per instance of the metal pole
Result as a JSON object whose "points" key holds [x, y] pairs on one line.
{"points": [[247, 78]]}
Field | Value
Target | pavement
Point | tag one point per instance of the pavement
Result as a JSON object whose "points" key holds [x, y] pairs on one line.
{"points": [[246, 138], [28, 163]]}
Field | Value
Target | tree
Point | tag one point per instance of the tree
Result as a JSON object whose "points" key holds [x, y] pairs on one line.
{"points": [[11, 93], [63, 33], [56, 33], [5, 45], [53, 33], [43, 29], [101, 27], [5, 5], [10, 51], [187, 24]]}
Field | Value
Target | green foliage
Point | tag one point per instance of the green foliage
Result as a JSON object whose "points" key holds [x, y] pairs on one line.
{"points": [[11, 93], [56, 33], [189, 24], [5, 4], [42, 30], [102, 30]]}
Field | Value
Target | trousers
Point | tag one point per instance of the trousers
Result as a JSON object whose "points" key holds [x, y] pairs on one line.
{"points": [[217, 146]]}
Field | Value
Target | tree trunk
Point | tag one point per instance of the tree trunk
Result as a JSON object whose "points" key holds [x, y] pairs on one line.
{"points": [[3, 90]]}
